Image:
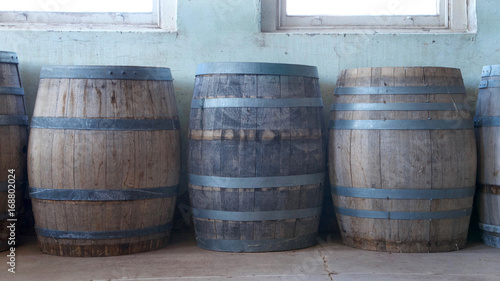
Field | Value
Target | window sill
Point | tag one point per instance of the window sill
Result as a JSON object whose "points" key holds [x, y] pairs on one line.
{"points": [[367, 31], [85, 27]]}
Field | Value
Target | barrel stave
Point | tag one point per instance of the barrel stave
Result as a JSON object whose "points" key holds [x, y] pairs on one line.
{"points": [[96, 98], [9, 75]]}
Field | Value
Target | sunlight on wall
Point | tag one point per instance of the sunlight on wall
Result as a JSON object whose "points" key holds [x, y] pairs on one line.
{"points": [[362, 7], [126, 6]]}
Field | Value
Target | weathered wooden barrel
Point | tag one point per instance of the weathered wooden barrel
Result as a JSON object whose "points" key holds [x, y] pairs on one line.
{"points": [[487, 122], [402, 158], [256, 156], [103, 159], [13, 142]]}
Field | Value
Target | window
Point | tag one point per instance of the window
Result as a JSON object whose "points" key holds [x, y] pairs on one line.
{"points": [[89, 14], [369, 15]]}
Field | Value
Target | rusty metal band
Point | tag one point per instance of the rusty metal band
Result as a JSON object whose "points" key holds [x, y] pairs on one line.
{"points": [[8, 57], [15, 91], [488, 188], [256, 102], [13, 120], [106, 72], [256, 182], [256, 215], [105, 124], [103, 195], [257, 68], [401, 124], [269, 245], [416, 90], [117, 234]]}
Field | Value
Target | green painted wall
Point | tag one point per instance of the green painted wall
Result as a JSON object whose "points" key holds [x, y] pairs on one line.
{"points": [[228, 30]]}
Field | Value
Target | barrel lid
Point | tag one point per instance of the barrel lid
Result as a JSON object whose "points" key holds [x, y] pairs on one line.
{"points": [[8, 57], [106, 72], [490, 70], [258, 68]]}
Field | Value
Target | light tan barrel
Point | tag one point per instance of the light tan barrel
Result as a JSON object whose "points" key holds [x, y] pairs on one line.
{"points": [[104, 159], [13, 142], [402, 158], [487, 122]]}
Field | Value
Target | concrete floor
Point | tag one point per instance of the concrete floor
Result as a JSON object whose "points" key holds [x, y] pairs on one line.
{"points": [[329, 260]]}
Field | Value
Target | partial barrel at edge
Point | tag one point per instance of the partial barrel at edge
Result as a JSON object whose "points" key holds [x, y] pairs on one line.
{"points": [[487, 122], [13, 144]]}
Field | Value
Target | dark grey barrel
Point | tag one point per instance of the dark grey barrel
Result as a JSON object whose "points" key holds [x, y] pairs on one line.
{"points": [[256, 156]]}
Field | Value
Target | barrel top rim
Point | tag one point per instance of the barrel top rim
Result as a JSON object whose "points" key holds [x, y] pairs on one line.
{"points": [[8, 53], [8, 57], [416, 66], [119, 72], [257, 68], [101, 66]]}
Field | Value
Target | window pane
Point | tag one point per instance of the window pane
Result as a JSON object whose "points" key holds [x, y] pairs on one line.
{"points": [[361, 7], [125, 6]]}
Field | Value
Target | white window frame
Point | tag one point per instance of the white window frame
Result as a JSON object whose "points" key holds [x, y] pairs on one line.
{"points": [[457, 16], [163, 18]]}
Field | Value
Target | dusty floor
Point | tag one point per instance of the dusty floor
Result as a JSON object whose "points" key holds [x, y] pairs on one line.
{"points": [[329, 260]]}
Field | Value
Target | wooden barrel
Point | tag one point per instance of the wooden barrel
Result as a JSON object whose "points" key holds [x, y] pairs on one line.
{"points": [[256, 156], [103, 159], [487, 122], [13, 142], [402, 158]]}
